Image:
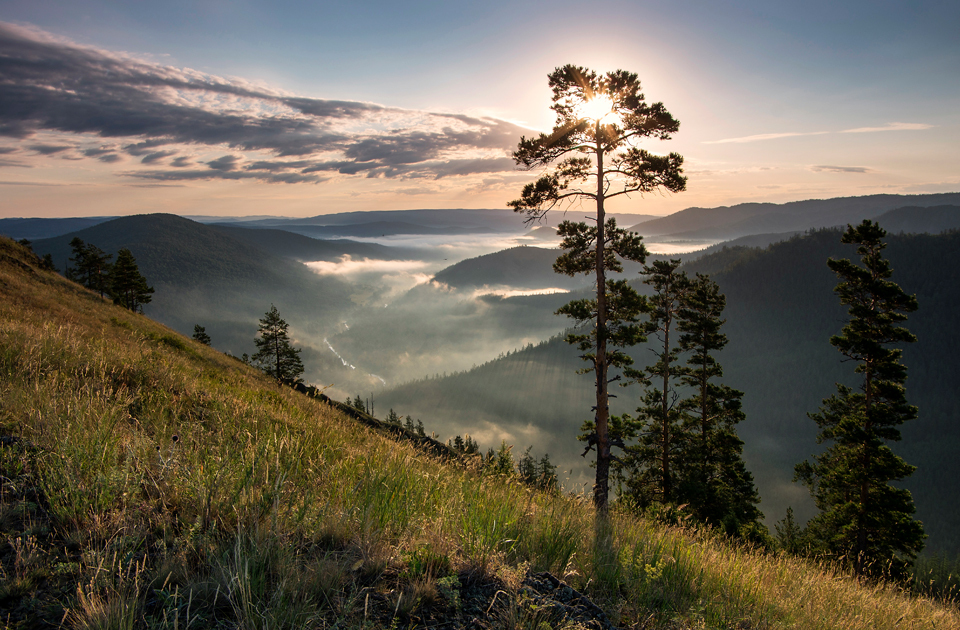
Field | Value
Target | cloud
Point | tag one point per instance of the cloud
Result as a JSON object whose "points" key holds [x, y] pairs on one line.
{"points": [[211, 174], [53, 85], [226, 163], [156, 156], [894, 126], [840, 169], [766, 136], [49, 149], [348, 265]]}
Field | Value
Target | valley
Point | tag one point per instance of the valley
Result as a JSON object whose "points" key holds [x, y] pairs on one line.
{"points": [[453, 323]]}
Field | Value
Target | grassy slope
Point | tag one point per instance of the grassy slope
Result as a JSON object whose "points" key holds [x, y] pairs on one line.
{"points": [[149, 481]]}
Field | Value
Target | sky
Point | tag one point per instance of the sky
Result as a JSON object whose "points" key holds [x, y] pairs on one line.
{"points": [[301, 108]]}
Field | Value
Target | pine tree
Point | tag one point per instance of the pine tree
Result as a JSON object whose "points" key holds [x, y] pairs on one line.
{"points": [[714, 479], [527, 467], [200, 335], [600, 121], [275, 356], [470, 446], [863, 519], [78, 247], [91, 266], [547, 475], [128, 288], [393, 418], [648, 468], [97, 269], [790, 536]]}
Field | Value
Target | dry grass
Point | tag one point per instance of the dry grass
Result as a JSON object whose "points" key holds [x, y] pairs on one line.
{"points": [[155, 482]]}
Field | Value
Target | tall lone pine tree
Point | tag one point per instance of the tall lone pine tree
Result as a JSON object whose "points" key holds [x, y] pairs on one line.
{"points": [[600, 120], [862, 517], [275, 355]]}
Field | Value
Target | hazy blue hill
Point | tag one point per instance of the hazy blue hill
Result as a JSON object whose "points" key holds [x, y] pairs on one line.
{"points": [[918, 220], [544, 233], [781, 312], [729, 222], [518, 267], [171, 249], [202, 275], [300, 247], [376, 229], [33, 229], [500, 220]]}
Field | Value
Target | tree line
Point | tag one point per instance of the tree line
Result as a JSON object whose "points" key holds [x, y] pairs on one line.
{"points": [[120, 280]]}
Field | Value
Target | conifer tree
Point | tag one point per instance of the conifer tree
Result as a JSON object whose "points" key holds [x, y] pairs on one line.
{"points": [[714, 479], [275, 355], [600, 121], [78, 247], [547, 474], [91, 266], [127, 286], [863, 518], [527, 467], [648, 468], [200, 335]]}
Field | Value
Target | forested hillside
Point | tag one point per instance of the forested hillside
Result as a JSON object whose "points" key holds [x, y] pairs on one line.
{"points": [[730, 222], [207, 275], [781, 312]]}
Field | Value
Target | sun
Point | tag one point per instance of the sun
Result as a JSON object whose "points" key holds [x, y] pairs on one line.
{"points": [[597, 108]]}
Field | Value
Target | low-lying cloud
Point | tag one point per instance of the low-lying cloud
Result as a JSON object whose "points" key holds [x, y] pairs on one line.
{"points": [[130, 106], [347, 266]]}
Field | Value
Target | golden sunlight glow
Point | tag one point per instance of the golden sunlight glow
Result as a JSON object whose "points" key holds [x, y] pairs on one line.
{"points": [[597, 108]]}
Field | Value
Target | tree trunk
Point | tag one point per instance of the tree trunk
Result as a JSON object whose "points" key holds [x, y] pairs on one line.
{"points": [[602, 487]]}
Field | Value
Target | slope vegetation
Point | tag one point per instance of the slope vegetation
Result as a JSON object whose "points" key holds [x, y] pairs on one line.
{"points": [[149, 481]]}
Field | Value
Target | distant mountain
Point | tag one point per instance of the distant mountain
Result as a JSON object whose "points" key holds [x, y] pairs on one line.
{"points": [[781, 312], [517, 267], [730, 222], [918, 220], [376, 229], [299, 247], [33, 229], [502, 220], [204, 275]]}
